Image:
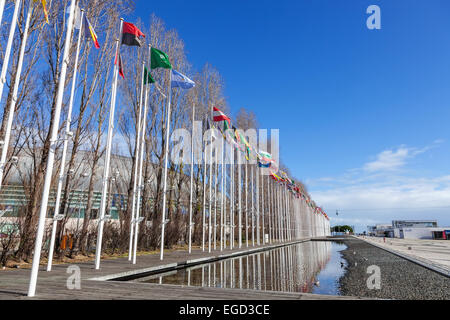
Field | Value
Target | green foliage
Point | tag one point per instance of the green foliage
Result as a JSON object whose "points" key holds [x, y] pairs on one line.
{"points": [[344, 228]]}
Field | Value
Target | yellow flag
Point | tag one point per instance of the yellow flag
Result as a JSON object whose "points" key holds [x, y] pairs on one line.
{"points": [[44, 6]]}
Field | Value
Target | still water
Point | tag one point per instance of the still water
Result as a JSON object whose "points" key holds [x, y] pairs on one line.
{"points": [[309, 267]]}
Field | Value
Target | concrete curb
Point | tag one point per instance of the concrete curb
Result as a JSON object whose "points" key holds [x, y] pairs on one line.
{"points": [[129, 275], [420, 262]]}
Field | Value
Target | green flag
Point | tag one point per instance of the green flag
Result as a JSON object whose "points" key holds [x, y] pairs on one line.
{"points": [[148, 77], [160, 59]]}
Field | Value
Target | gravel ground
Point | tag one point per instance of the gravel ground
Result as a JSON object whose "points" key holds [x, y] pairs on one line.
{"points": [[400, 279]]}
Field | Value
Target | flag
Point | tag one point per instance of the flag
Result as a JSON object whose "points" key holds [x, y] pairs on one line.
{"points": [[244, 146], [159, 59], [219, 116], [265, 156], [264, 165], [148, 77], [77, 18], [44, 7], [181, 81], [131, 35], [90, 32], [120, 66]]}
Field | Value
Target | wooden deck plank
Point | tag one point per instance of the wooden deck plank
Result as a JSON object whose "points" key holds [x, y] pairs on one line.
{"points": [[52, 285]]}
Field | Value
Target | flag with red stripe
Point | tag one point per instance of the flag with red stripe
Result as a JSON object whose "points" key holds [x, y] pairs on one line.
{"points": [[90, 32]]}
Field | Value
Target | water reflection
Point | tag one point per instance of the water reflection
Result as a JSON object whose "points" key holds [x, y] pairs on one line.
{"points": [[313, 267]]}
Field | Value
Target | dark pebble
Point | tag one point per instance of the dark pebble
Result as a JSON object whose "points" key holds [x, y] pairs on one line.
{"points": [[400, 279]]}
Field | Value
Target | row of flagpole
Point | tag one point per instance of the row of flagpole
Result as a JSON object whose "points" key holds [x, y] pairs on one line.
{"points": [[279, 209]]}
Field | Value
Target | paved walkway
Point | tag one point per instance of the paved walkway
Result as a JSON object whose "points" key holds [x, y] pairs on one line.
{"points": [[433, 252], [53, 285]]}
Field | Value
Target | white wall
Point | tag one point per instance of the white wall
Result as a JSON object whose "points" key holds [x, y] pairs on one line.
{"points": [[419, 233]]}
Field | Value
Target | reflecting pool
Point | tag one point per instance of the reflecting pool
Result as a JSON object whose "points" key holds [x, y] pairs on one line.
{"points": [[309, 267]]}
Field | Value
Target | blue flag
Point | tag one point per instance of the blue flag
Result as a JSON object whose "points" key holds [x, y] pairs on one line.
{"points": [[181, 81], [264, 165]]}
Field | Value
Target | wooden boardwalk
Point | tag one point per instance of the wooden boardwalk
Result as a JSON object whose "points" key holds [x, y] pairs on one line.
{"points": [[53, 285]]}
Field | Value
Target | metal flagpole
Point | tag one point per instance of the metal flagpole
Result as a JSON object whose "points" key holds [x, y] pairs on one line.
{"points": [[222, 211], [108, 152], [9, 47], [288, 215], [246, 204], [136, 165], [192, 179], [280, 221], [12, 105], [65, 147], [51, 155], [225, 203], [140, 161], [216, 176], [262, 208], [232, 206], [3, 81], [239, 199], [166, 161], [210, 189], [204, 195], [253, 206], [269, 209], [2, 8], [275, 212], [258, 233]]}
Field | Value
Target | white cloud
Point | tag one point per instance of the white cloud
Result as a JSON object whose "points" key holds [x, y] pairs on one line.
{"points": [[379, 191], [390, 160]]}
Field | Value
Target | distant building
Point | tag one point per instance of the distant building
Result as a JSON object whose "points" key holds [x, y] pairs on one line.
{"points": [[378, 230], [410, 229], [414, 224]]}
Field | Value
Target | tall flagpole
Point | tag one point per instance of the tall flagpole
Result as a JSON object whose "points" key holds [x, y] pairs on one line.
{"points": [[253, 206], [12, 105], [222, 211], [262, 208], [192, 179], [280, 225], [210, 187], [239, 200], [106, 169], [2, 8], [225, 201], [274, 213], [133, 217], [51, 155], [9, 47], [232, 199], [204, 194], [3, 81], [65, 147], [141, 164], [258, 232], [216, 176], [246, 204], [166, 161], [269, 211]]}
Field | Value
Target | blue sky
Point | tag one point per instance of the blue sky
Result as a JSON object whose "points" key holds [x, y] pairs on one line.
{"points": [[363, 114]]}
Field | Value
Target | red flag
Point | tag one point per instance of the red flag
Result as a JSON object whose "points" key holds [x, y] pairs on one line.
{"points": [[120, 66], [131, 35]]}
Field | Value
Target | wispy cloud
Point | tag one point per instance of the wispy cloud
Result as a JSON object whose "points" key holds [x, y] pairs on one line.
{"points": [[380, 191], [391, 160]]}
